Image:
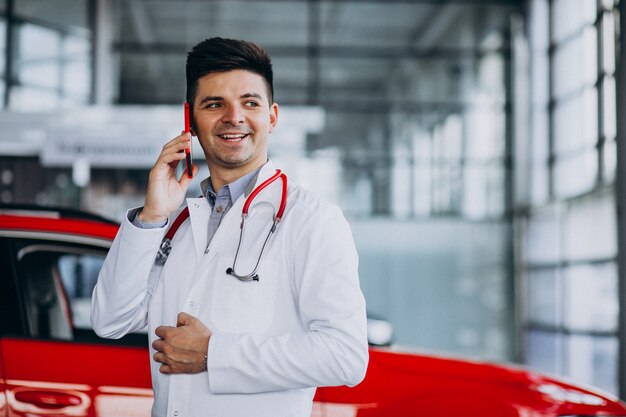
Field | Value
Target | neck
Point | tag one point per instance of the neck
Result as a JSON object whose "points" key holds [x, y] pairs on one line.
{"points": [[221, 176]]}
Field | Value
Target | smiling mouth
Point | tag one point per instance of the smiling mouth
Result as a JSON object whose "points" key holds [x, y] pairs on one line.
{"points": [[234, 137]]}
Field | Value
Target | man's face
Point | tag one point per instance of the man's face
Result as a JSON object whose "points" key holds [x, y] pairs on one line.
{"points": [[233, 118]]}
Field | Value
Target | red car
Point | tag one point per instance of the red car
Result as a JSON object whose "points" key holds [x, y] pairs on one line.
{"points": [[52, 364]]}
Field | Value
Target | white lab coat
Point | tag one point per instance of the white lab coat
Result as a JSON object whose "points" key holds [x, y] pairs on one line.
{"points": [[302, 325]]}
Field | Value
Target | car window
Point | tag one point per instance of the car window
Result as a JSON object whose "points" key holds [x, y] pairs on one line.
{"points": [[79, 273], [56, 282], [11, 312]]}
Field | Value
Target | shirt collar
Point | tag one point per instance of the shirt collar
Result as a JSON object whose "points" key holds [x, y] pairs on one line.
{"points": [[235, 189]]}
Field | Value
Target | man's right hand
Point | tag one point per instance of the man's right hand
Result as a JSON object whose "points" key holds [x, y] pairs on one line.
{"points": [[166, 193]]}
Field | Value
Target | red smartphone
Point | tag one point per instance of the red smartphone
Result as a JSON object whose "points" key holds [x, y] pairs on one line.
{"points": [[188, 150]]}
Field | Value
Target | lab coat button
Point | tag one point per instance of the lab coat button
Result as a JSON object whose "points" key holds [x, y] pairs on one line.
{"points": [[175, 413]]}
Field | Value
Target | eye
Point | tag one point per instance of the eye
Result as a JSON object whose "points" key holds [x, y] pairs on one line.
{"points": [[251, 104], [214, 105]]}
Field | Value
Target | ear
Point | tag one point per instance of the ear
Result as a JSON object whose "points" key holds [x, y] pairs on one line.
{"points": [[273, 116]]}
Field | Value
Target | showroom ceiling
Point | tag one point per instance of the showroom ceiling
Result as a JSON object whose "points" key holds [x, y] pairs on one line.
{"points": [[344, 55]]}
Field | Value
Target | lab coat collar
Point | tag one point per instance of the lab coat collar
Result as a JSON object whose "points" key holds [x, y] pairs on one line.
{"points": [[200, 212]]}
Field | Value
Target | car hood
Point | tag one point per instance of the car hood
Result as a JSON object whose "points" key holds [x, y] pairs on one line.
{"points": [[406, 384]]}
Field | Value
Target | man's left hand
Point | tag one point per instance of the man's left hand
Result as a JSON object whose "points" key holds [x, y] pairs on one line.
{"points": [[182, 349]]}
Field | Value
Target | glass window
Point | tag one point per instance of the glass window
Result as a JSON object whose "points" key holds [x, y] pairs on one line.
{"points": [[538, 23], [609, 110], [540, 81], [590, 229], [422, 175], [3, 32], [49, 309], [401, 184], [57, 283], [79, 274], [423, 192], [539, 182], [539, 175], [544, 297], [575, 174], [576, 292], [53, 66], [575, 64], [76, 77], [591, 298], [576, 123], [483, 143], [450, 142], [608, 42], [610, 160], [593, 360], [543, 238], [74, 46], [44, 74], [483, 189], [543, 351], [569, 16], [36, 42]]}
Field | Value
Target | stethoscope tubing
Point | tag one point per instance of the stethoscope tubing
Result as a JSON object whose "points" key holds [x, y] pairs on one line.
{"points": [[253, 276]]}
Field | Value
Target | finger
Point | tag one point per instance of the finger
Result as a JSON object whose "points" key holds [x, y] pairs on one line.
{"points": [[163, 331], [179, 146], [158, 345], [185, 180], [170, 158], [176, 148], [182, 138], [184, 319], [165, 369], [160, 357]]}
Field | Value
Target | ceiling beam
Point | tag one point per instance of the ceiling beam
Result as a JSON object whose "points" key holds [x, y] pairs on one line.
{"points": [[505, 3], [400, 106], [338, 52]]}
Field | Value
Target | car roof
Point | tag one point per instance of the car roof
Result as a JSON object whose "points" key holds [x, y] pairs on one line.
{"points": [[58, 212], [54, 223]]}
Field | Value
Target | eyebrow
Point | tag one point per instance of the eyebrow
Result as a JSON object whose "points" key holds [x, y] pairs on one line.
{"points": [[219, 98]]}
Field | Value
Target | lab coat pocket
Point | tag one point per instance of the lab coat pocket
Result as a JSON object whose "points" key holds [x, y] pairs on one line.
{"points": [[244, 307]]}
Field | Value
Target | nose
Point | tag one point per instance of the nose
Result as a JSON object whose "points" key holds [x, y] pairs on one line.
{"points": [[233, 115]]}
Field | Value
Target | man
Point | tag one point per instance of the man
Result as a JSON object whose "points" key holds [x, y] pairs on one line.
{"points": [[222, 346]]}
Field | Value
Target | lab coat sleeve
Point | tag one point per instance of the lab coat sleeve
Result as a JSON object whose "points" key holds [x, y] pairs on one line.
{"points": [[332, 350], [119, 303]]}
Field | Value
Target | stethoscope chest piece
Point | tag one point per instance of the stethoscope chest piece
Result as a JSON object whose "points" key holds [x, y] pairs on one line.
{"points": [[254, 276]]}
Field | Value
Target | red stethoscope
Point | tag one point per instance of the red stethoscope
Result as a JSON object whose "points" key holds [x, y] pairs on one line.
{"points": [[253, 276]]}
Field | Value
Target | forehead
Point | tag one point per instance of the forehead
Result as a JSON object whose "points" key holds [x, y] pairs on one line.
{"points": [[234, 82]]}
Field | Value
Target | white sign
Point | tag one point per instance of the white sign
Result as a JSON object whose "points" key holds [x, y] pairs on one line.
{"points": [[62, 149]]}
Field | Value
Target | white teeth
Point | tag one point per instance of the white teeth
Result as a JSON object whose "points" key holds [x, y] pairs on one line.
{"points": [[233, 136]]}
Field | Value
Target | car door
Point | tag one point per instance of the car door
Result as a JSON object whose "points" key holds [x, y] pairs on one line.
{"points": [[54, 364], [8, 309]]}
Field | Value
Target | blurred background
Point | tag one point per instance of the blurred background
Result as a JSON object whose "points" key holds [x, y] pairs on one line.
{"points": [[470, 143]]}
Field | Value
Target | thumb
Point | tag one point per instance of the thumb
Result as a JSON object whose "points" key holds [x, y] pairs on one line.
{"points": [[184, 319]]}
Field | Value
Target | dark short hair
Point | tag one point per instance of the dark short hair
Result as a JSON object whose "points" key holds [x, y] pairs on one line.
{"points": [[220, 55]]}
